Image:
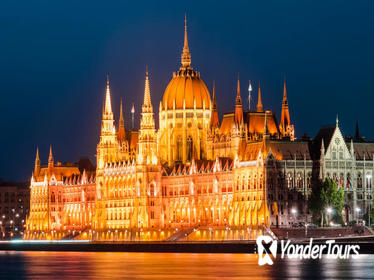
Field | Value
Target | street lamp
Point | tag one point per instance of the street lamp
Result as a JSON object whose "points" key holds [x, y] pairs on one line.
{"points": [[358, 210], [294, 212], [329, 211]]}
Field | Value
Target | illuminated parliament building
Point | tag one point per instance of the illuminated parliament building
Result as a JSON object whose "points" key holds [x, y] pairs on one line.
{"points": [[196, 177]]}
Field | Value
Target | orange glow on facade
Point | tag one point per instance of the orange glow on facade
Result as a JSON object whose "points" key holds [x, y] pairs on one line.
{"points": [[176, 183]]}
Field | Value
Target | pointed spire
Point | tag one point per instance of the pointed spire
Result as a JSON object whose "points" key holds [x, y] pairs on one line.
{"points": [[121, 126], [285, 122], [37, 162], [238, 105], [147, 93], [186, 56], [108, 103], [214, 121], [337, 120], [238, 97], [37, 159], [214, 95], [50, 158], [120, 113], [107, 123], [259, 102], [284, 91]]}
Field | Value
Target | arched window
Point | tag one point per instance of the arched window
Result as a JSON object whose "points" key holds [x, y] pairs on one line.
{"points": [[152, 190], [289, 181], [368, 180], [341, 180], [179, 148], [189, 148], [359, 180], [309, 180], [348, 180], [299, 181]]}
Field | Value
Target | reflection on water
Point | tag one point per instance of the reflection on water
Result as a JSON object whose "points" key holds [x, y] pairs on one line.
{"points": [[73, 265]]}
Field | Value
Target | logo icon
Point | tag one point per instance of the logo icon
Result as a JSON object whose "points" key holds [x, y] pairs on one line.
{"points": [[266, 246]]}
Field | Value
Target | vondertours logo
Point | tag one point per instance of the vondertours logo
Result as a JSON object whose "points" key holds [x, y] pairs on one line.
{"points": [[267, 249]]}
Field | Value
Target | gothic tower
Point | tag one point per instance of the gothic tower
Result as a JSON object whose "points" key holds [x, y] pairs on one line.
{"points": [[285, 127], [107, 149], [147, 204], [147, 152]]}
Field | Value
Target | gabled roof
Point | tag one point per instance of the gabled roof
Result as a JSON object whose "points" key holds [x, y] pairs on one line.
{"points": [[325, 134], [251, 151], [289, 150], [227, 123], [363, 150], [281, 149], [256, 122], [58, 171]]}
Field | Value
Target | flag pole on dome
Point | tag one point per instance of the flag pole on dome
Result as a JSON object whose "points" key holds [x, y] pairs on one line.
{"points": [[132, 115], [249, 95]]}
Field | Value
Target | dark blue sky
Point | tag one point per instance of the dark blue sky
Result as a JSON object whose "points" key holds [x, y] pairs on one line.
{"points": [[54, 58]]}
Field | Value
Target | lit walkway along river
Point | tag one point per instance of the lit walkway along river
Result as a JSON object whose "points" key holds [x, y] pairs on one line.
{"points": [[75, 265]]}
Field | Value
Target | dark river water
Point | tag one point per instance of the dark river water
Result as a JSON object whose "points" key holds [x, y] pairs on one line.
{"points": [[74, 265]]}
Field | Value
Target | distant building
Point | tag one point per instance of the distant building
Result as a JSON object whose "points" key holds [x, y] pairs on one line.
{"points": [[14, 207]]}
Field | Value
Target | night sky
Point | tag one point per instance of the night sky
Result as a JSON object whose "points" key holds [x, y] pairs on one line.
{"points": [[54, 59]]}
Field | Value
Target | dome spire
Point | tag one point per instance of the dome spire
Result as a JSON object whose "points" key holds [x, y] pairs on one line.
{"points": [[186, 56]]}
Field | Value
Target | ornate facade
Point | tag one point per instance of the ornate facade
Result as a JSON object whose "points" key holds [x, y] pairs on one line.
{"points": [[194, 178]]}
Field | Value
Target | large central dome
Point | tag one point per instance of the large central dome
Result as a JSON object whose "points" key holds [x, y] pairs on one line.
{"points": [[186, 89]]}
